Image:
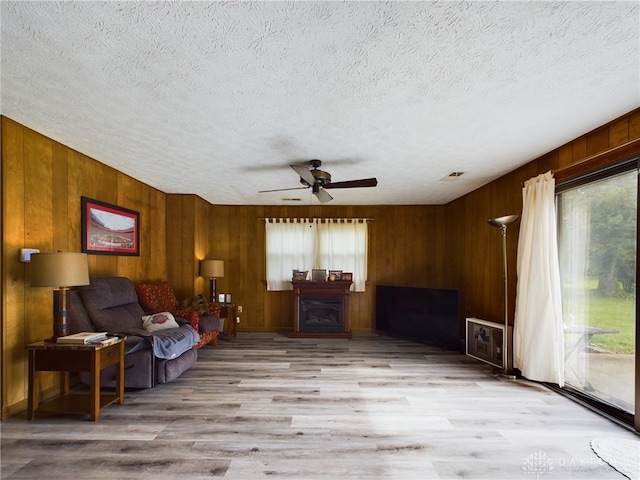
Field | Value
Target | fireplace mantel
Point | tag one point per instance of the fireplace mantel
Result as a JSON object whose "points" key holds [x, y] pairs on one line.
{"points": [[337, 296]]}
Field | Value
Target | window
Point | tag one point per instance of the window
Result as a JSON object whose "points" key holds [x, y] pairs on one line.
{"points": [[597, 220], [304, 244]]}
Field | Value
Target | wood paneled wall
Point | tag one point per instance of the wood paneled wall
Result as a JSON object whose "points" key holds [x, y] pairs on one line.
{"points": [[474, 249], [42, 182], [187, 243], [407, 246]]}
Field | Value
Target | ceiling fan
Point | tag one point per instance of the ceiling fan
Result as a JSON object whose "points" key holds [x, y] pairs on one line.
{"points": [[320, 181]]}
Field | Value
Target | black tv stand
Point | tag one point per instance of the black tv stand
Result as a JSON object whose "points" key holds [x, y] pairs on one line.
{"points": [[429, 315]]}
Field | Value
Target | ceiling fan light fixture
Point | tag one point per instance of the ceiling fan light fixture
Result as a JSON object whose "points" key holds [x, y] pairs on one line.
{"points": [[322, 177], [318, 180]]}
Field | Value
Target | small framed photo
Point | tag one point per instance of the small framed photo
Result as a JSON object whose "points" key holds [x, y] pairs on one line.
{"points": [[318, 274], [221, 298], [227, 298], [347, 277]]}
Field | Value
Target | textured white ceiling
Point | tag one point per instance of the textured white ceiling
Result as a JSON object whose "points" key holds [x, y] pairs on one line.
{"points": [[218, 98]]}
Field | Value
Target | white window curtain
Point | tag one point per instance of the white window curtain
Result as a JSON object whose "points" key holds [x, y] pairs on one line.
{"points": [[538, 343], [290, 245], [303, 244], [342, 245]]}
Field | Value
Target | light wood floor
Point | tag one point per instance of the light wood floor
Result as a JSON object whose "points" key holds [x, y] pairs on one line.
{"points": [[268, 406]]}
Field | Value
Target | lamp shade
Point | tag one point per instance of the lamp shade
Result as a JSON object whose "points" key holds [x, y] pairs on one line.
{"points": [[503, 221], [61, 269], [212, 268]]}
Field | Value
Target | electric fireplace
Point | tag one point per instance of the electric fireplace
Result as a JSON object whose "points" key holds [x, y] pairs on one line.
{"points": [[320, 309], [320, 314]]}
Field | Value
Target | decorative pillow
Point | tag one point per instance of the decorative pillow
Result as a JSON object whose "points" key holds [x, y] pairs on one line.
{"points": [[197, 304], [159, 321], [156, 297]]}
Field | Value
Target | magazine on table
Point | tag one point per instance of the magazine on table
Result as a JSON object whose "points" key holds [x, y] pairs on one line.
{"points": [[83, 338]]}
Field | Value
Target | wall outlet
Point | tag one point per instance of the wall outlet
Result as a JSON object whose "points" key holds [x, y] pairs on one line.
{"points": [[239, 308], [237, 319]]}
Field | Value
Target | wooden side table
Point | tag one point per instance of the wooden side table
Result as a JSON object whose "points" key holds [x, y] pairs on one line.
{"points": [[55, 357], [229, 312]]}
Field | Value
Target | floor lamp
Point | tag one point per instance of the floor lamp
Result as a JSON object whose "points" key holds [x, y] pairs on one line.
{"points": [[502, 223]]}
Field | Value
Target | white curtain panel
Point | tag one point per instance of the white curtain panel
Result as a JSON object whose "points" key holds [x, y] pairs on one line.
{"points": [[290, 244], [538, 343], [342, 245]]}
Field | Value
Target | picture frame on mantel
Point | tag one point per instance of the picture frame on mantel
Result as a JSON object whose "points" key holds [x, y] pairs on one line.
{"points": [[108, 229], [318, 275], [346, 277]]}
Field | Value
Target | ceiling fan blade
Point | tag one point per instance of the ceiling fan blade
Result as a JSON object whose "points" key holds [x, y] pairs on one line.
{"points": [[304, 173], [323, 196], [365, 182], [282, 189]]}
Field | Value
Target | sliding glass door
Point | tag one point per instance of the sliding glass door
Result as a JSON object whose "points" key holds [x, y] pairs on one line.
{"points": [[597, 220]]}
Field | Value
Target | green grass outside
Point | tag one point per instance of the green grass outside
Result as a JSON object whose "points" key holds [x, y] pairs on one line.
{"points": [[615, 314], [609, 313]]}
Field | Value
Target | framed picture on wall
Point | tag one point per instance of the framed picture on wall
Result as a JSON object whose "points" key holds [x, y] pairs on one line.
{"points": [[227, 298], [108, 229], [221, 298]]}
